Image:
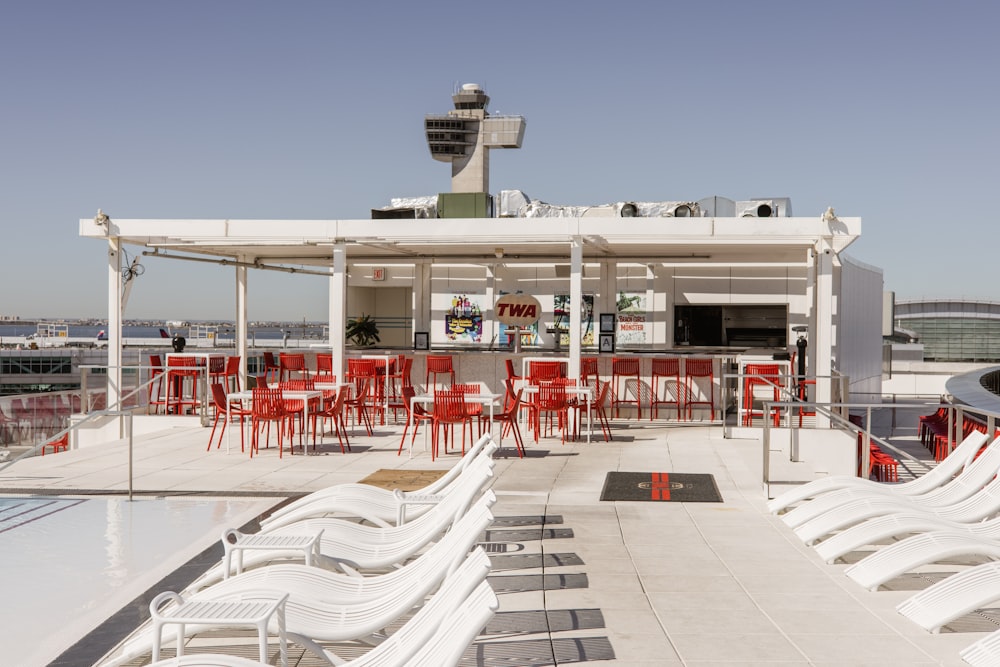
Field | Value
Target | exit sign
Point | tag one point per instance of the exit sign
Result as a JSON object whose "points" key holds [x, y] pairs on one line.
{"points": [[378, 273]]}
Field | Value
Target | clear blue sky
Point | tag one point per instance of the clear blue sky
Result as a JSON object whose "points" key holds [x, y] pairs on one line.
{"points": [[314, 110]]}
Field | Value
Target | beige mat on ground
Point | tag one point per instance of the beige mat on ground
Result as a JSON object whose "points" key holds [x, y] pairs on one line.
{"points": [[407, 480]]}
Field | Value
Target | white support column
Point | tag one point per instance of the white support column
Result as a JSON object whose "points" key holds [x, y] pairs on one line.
{"points": [[338, 308], [114, 324], [242, 330], [489, 317], [608, 298], [821, 338], [576, 305], [653, 315], [421, 297]]}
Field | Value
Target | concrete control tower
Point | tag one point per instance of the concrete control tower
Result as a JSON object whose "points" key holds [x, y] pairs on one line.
{"points": [[465, 136]]}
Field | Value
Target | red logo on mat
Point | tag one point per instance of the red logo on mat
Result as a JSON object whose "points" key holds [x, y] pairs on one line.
{"points": [[660, 486]]}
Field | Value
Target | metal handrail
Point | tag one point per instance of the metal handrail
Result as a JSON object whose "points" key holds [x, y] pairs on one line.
{"points": [[90, 417], [836, 411]]}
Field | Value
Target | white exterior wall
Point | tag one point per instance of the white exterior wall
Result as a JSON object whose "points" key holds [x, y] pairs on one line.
{"points": [[858, 352]]}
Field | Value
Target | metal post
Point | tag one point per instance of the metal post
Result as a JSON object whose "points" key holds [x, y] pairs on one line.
{"points": [[767, 457], [130, 443]]}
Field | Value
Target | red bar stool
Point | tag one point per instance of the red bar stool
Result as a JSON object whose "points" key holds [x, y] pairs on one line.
{"points": [[699, 370], [760, 380], [155, 378], [624, 369], [804, 397], [438, 365], [180, 369], [667, 369]]}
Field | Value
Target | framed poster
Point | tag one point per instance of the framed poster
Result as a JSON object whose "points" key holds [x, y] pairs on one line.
{"points": [[421, 340], [607, 342], [607, 323]]}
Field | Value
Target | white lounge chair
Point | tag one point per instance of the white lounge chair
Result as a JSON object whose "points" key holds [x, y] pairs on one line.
{"points": [[379, 506], [883, 527], [983, 653], [977, 507], [895, 559], [310, 622], [443, 648], [972, 478], [960, 457], [943, 602], [350, 546], [432, 565]]}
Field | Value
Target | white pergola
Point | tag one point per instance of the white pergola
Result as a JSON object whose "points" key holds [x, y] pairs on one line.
{"points": [[327, 247]]}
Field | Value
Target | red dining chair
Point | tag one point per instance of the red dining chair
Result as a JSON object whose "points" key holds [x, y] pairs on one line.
{"points": [[324, 364], [551, 401], [271, 367], [216, 368], [449, 410], [296, 408], [473, 410], [268, 407], [597, 408], [334, 411], [438, 365], [415, 414], [543, 371], [289, 363], [231, 376], [221, 402], [511, 373], [507, 418]]}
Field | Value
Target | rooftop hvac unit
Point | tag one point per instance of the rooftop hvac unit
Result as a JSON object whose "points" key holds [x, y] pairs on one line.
{"points": [[682, 210], [513, 203], [628, 209], [757, 208], [717, 207], [775, 207]]}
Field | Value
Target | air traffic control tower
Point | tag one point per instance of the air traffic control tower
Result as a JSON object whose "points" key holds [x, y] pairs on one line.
{"points": [[465, 136]]}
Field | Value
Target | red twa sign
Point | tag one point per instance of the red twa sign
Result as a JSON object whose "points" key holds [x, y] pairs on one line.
{"points": [[518, 310]]}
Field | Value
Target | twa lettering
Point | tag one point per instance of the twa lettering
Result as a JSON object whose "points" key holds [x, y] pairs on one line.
{"points": [[517, 309]]}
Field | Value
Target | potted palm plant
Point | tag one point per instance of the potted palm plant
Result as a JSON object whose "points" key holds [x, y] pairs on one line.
{"points": [[363, 331]]}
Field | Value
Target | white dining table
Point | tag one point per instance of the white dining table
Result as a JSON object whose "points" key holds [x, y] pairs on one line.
{"points": [[486, 399], [584, 392], [305, 396]]}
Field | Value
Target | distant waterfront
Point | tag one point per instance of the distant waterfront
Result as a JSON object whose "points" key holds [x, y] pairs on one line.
{"points": [[270, 331]]}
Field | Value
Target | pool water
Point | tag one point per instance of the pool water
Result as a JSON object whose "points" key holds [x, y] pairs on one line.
{"points": [[67, 564]]}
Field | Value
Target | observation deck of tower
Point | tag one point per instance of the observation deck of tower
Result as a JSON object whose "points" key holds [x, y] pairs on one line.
{"points": [[465, 135]]}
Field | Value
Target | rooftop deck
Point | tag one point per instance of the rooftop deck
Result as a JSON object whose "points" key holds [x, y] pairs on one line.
{"points": [[625, 583]]}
